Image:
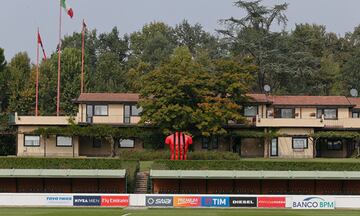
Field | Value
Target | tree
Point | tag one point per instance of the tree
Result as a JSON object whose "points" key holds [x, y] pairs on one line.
{"points": [[182, 95], [4, 90], [251, 36]]}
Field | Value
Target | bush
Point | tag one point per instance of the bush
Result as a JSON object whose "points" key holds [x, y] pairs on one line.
{"points": [[148, 155], [257, 165], [73, 163]]}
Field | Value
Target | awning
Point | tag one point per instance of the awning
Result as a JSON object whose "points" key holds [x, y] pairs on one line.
{"points": [[62, 173], [240, 174]]}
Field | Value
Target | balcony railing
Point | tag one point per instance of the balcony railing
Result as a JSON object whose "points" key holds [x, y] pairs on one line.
{"points": [[288, 122], [42, 120]]}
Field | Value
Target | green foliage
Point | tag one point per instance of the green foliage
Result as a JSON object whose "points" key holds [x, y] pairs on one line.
{"points": [[337, 134], [262, 164], [183, 94], [73, 163], [150, 155]]}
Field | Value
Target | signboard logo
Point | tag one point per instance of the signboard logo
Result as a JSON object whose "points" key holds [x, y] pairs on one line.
{"points": [[215, 201], [243, 202], [313, 203], [187, 201], [115, 201], [159, 201], [59, 200], [271, 202], [87, 200]]}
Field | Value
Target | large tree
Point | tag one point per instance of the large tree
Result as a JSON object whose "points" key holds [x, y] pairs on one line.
{"points": [[183, 95]]}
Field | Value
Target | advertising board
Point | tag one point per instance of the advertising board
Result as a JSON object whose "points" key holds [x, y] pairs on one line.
{"points": [[187, 201], [87, 200], [313, 202], [159, 201], [215, 201], [115, 201], [271, 202], [246, 202]]}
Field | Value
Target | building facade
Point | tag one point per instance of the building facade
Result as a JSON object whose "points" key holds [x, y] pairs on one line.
{"points": [[292, 121]]}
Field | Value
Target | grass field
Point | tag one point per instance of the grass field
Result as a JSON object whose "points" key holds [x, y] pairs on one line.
{"points": [[172, 212]]}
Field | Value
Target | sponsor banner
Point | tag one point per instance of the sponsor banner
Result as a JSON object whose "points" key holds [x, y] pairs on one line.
{"points": [[271, 202], [59, 200], [115, 201], [313, 202], [159, 201], [87, 200], [215, 201], [187, 201], [243, 202]]}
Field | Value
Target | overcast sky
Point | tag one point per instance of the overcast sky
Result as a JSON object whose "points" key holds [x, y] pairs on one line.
{"points": [[20, 18]]}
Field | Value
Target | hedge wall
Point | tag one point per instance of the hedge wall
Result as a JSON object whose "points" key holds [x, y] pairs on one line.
{"points": [[257, 165], [73, 163]]}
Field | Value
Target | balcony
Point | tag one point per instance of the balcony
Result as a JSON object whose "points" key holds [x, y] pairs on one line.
{"points": [[288, 122], [342, 123], [41, 120]]}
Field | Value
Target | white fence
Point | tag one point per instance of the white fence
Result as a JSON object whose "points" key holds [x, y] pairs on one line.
{"points": [[180, 200]]}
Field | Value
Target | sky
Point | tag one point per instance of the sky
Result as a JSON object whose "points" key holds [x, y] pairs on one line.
{"points": [[19, 19]]}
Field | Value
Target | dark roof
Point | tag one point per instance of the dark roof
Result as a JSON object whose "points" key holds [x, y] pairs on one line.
{"points": [[311, 101], [287, 100], [108, 97], [355, 102]]}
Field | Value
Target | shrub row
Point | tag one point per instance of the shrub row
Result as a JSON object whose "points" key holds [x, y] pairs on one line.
{"points": [[256, 165], [149, 155], [73, 163]]}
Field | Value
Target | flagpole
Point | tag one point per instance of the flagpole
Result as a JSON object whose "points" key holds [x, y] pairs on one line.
{"points": [[82, 57], [59, 65], [37, 74]]}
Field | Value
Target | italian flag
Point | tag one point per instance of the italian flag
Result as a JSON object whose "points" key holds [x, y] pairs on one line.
{"points": [[68, 10]]}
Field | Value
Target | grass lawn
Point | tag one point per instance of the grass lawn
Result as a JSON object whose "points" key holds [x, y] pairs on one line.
{"points": [[172, 212]]}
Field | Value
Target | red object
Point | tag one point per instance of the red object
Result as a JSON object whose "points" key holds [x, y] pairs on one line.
{"points": [[271, 202], [119, 201], [70, 12], [41, 44], [179, 144]]}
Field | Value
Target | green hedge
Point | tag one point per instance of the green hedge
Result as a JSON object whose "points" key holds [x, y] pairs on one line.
{"points": [[73, 163], [258, 165], [149, 155]]}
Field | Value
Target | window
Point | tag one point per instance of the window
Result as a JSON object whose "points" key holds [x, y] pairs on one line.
{"points": [[126, 143], [210, 142], [100, 110], [31, 141], [274, 147], [96, 143], [250, 111], [284, 113], [127, 112], [299, 143], [328, 113], [135, 111], [334, 145], [355, 114], [63, 141]]}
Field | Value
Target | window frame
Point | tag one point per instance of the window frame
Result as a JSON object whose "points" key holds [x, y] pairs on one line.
{"points": [[131, 110], [357, 113], [332, 148], [119, 143], [281, 108], [104, 105], [93, 143], [57, 142], [256, 107], [306, 143], [30, 135], [323, 113], [127, 119], [212, 143], [277, 147]]}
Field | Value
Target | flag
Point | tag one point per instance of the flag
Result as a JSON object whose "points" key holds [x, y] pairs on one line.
{"points": [[68, 10], [41, 44]]}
